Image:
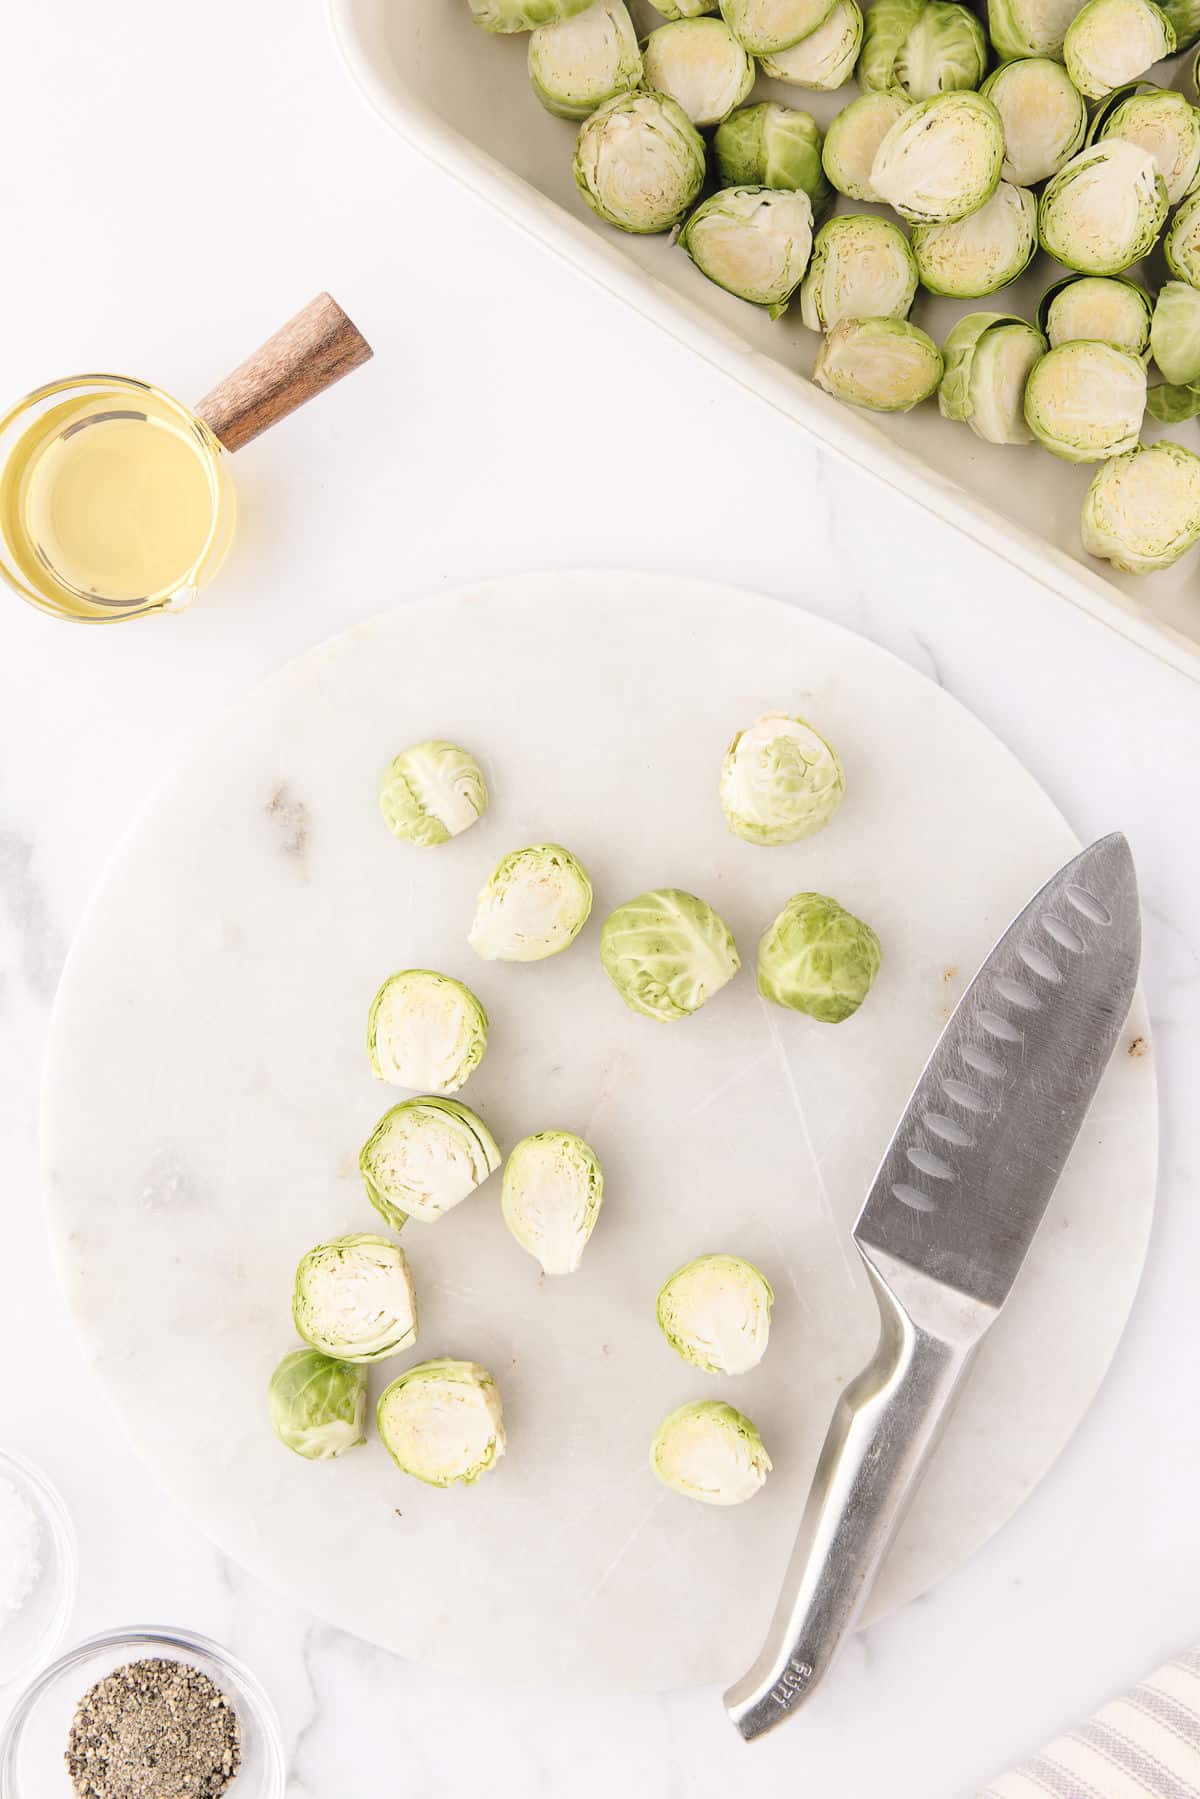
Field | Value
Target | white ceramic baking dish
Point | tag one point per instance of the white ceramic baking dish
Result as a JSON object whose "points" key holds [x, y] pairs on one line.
{"points": [[464, 99]]}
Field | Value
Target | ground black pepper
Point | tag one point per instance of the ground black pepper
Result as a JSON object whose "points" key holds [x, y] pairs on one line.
{"points": [[154, 1730]]}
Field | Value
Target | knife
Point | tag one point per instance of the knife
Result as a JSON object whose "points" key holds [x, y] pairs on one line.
{"points": [[962, 1188]]}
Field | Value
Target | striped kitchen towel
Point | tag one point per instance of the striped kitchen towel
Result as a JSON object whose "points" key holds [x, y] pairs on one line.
{"points": [[1145, 1745]]}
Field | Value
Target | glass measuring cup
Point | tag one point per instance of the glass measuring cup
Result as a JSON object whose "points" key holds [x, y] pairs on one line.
{"points": [[116, 500]]}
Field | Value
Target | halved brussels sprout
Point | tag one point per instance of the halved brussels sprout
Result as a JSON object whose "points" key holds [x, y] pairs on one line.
{"points": [[578, 64], [988, 358], [1110, 42], [442, 1422], [534, 904], [639, 162], [432, 791], [667, 953], [699, 64], [982, 252], [922, 47], [1085, 401], [1104, 209], [424, 1157], [522, 15], [1029, 27], [886, 365], [1044, 115], [551, 1197], [354, 1299], [318, 1405], [710, 1451], [1108, 308], [780, 781], [862, 268], [1175, 332], [753, 241], [715, 1312], [767, 25], [818, 958], [1161, 121], [1142, 511], [941, 159], [853, 138], [1181, 245], [769, 145], [425, 1030], [825, 58]]}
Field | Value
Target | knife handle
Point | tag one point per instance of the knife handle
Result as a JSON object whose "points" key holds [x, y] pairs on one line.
{"points": [[884, 1429]]}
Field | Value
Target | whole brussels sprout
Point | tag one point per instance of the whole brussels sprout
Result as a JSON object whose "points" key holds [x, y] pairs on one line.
{"points": [[1104, 209], [983, 252], [667, 953], [853, 138], [711, 1452], [886, 365], [922, 47], [442, 1422], [534, 904], [818, 958], [862, 268], [715, 1312], [769, 145], [552, 1193], [424, 1157], [941, 159], [1109, 308], [699, 64], [318, 1405], [988, 358], [579, 63], [825, 58], [1142, 511], [1044, 116], [1181, 245], [432, 791], [1161, 121], [1111, 42], [1175, 332], [354, 1300], [753, 241], [1029, 27], [767, 25], [1085, 401], [780, 781], [522, 15], [425, 1030], [639, 162]]}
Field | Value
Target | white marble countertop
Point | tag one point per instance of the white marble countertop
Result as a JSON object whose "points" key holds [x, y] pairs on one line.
{"points": [[177, 183]]}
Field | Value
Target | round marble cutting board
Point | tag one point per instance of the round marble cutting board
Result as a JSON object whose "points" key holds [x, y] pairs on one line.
{"points": [[208, 1090]]}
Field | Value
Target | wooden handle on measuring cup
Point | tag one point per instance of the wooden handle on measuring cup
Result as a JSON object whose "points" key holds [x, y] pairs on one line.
{"points": [[302, 359]]}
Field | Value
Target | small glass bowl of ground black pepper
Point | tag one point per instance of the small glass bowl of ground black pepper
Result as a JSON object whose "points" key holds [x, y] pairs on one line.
{"points": [[143, 1714]]}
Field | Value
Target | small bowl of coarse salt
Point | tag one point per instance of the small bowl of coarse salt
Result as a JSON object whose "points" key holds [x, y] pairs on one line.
{"points": [[37, 1568]]}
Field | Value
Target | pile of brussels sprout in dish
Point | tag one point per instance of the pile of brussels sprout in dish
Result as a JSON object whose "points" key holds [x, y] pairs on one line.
{"points": [[1040, 132], [667, 953]]}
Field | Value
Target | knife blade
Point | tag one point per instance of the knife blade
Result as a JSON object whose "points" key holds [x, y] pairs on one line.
{"points": [[947, 1223]]}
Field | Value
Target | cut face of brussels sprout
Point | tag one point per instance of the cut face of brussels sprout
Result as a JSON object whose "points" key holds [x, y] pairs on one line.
{"points": [[1085, 401], [753, 241], [944, 49], [1105, 308], [1142, 511], [818, 958], [886, 365], [425, 1030], [667, 952], [715, 1312], [578, 64], [825, 59], [639, 162], [988, 358], [318, 1406], [1104, 209], [1182, 242], [1044, 116], [442, 1422], [769, 145], [1111, 42], [780, 781], [982, 252], [534, 904], [766, 25], [700, 64], [354, 1299], [424, 1157], [853, 138], [1029, 27], [862, 268], [1175, 332], [553, 1188], [941, 159], [522, 15], [711, 1452], [432, 792], [1162, 122]]}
